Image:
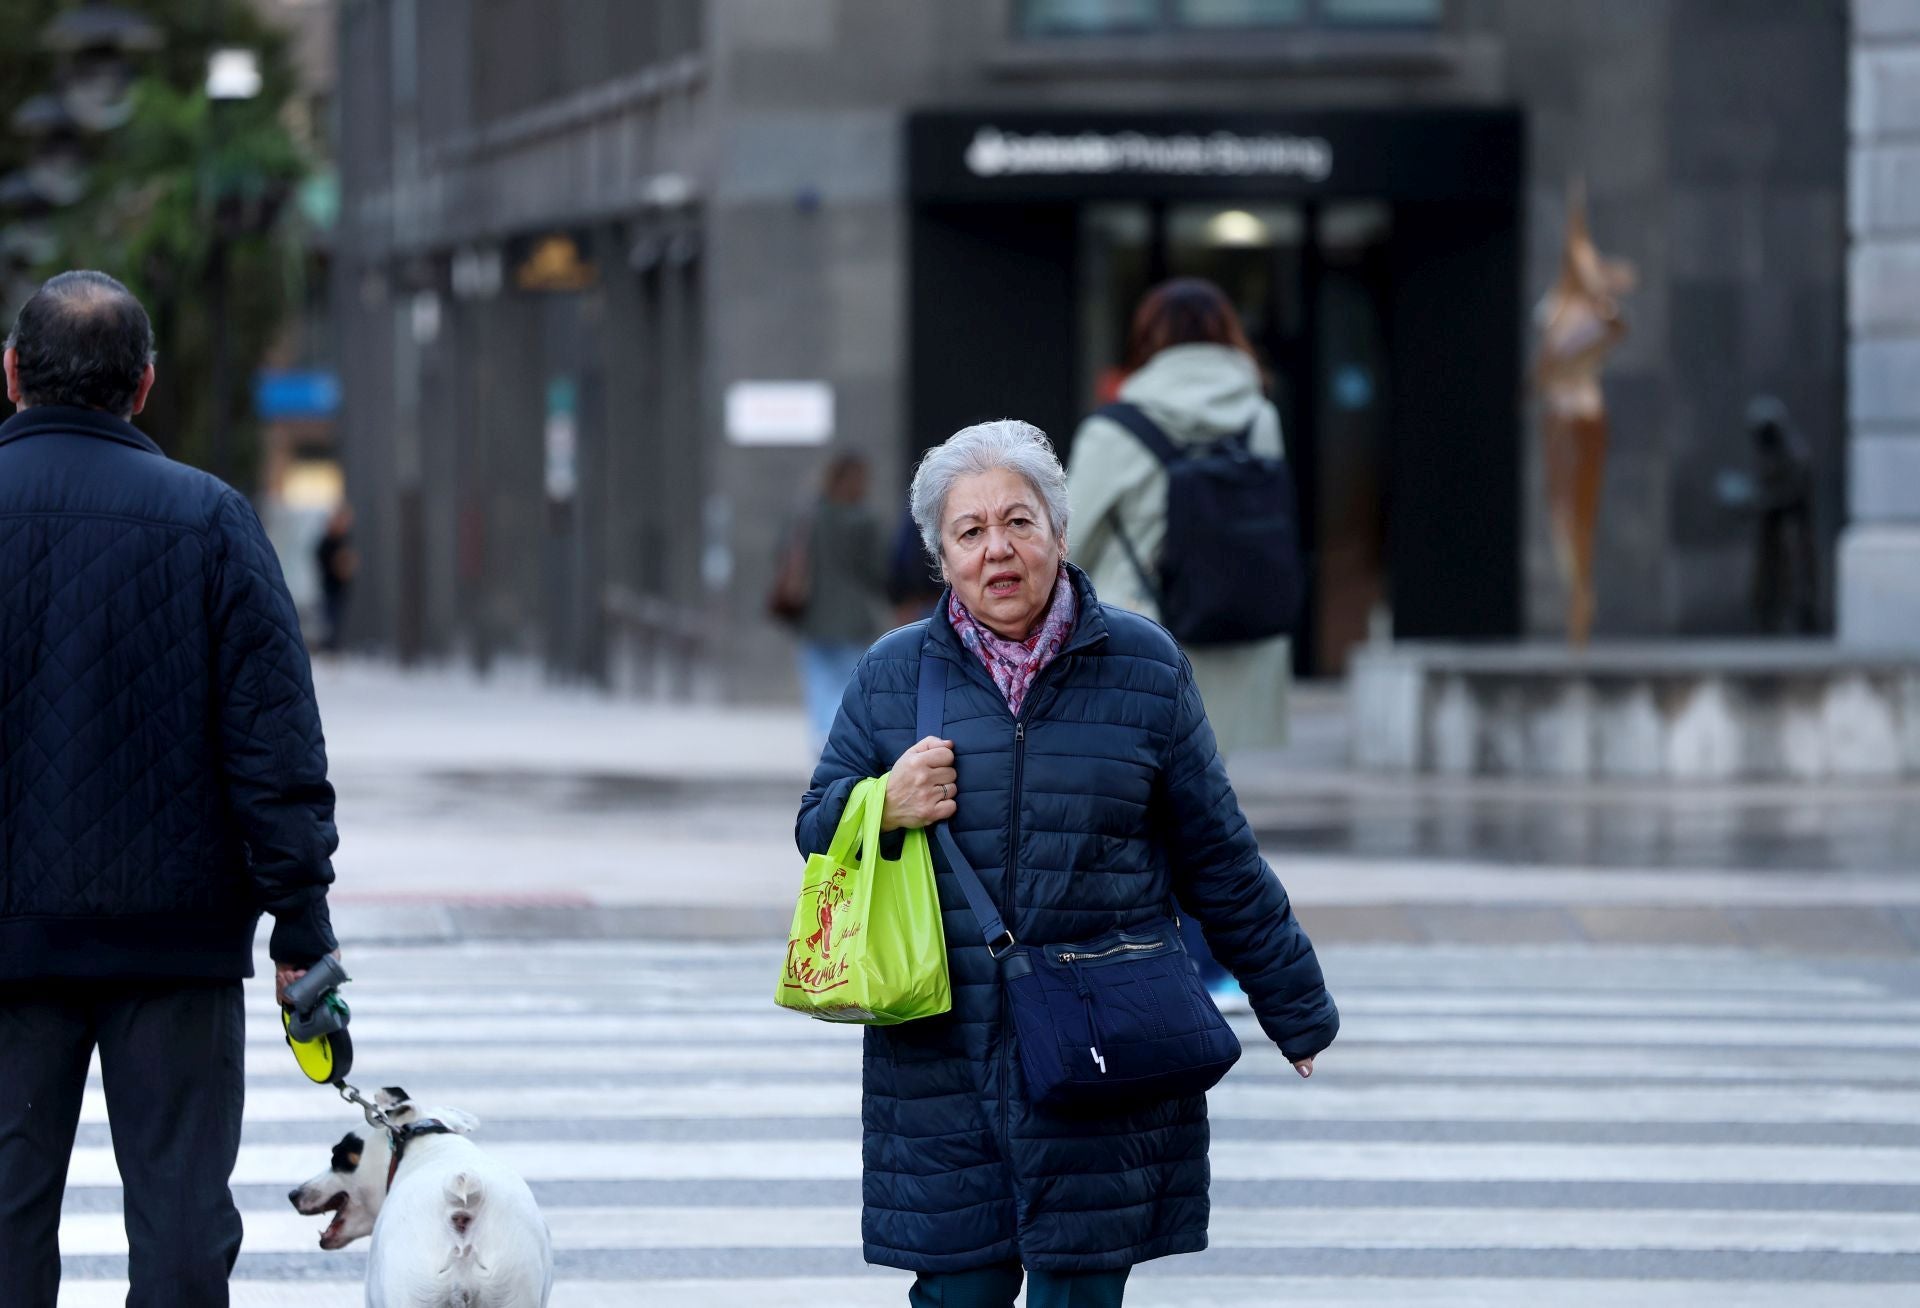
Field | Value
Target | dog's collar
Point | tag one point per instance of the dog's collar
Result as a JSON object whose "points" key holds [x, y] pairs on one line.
{"points": [[399, 1136]]}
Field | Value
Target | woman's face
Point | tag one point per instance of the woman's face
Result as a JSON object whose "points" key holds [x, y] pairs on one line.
{"points": [[999, 551]]}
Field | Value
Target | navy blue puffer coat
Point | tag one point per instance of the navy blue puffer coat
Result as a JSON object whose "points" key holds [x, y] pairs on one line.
{"points": [[1105, 797], [163, 779]]}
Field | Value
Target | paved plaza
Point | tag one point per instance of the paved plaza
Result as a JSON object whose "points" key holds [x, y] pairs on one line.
{"points": [[1568, 1073]]}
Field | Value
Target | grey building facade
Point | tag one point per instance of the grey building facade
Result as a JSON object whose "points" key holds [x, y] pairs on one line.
{"points": [[570, 229], [1880, 554]]}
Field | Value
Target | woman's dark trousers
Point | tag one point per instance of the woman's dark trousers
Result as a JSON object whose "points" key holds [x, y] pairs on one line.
{"points": [[171, 1060], [997, 1287]]}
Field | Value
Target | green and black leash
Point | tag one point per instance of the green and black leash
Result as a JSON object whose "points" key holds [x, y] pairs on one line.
{"points": [[315, 1018]]}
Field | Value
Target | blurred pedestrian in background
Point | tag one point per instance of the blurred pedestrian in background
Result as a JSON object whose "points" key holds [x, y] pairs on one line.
{"points": [[1785, 571], [337, 561], [1193, 375], [1082, 781], [830, 584], [913, 588], [162, 782]]}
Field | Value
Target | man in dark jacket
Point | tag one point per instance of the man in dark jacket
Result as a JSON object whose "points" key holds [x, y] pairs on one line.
{"points": [[162, 782]]}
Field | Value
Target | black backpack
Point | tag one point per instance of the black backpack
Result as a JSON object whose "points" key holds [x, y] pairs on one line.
{"points": [[1230, 569]]}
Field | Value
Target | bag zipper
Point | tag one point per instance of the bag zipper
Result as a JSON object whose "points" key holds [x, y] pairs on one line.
{"points": [[1093, 1025], [1116, 949]]}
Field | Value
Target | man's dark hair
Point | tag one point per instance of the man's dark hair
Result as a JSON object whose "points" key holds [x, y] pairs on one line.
{"points": [[83, 339]]}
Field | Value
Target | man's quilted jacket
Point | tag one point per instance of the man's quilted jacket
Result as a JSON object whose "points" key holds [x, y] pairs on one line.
{"points": [[1081, 816], [162, 775]]}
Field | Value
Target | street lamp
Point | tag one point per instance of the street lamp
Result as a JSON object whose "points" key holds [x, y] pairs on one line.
{"points": [[233, 74], [238, 207]]}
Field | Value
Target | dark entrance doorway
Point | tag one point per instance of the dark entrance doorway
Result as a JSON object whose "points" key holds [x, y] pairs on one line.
{"points": [[1375, 262]]}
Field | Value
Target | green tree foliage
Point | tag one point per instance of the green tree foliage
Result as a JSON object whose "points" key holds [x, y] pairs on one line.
{"points": [[187, 195], [24, 69]]}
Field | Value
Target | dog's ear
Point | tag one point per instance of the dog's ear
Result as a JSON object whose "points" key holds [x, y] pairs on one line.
{"points": [[460, 1123], [346, 1154], [396, 1104]]}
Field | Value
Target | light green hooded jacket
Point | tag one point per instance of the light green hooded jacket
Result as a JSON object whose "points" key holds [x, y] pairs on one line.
{"points": [[1195, 393]]}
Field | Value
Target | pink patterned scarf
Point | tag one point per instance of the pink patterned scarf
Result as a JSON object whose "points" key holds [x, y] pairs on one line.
{"points": [[1013, 664]]}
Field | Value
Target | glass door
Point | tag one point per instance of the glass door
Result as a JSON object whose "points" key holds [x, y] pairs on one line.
{"points": [[1352, 436]]}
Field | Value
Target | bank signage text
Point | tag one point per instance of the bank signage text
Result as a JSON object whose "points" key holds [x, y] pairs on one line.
{"points": [[997, 153]]}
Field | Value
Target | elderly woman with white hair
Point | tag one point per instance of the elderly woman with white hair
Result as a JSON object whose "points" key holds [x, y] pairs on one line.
{"points": [[1078, 776]]}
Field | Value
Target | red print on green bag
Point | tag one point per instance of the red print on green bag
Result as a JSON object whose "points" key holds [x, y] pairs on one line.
{"points": [[823, 973]]}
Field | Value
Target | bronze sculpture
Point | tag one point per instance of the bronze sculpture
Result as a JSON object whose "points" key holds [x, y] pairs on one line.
{"points": [[1580, 324]]}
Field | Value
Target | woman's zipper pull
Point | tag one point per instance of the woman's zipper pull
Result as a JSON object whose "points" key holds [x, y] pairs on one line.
{"points": [[1093, 1027]]}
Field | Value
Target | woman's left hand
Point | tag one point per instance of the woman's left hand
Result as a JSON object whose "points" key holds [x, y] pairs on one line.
{"points": [[1304, 1067]]}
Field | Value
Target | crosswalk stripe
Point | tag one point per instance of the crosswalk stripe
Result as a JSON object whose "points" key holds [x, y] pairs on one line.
{"points": [[284, 1231], [413, 1004], [1147, 1289], [1233, 1100], [470, 1064], [799, 1160], [565, 1029], [572, 969]]}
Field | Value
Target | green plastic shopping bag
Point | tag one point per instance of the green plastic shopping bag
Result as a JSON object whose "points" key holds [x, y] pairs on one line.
{"points": [[867, 944]]}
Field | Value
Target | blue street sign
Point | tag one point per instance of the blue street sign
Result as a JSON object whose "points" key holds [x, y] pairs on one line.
{"points": [[296, 393]]}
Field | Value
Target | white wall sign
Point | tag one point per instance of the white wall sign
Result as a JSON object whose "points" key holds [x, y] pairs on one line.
{"points": [[780, 413]]}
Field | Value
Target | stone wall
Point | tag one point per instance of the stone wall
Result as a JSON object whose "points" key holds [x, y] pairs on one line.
{"points": [[1879, 586], [1698, 712]]}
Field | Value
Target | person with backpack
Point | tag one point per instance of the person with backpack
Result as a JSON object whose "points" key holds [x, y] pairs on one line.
{"points": [[1183, 510]]}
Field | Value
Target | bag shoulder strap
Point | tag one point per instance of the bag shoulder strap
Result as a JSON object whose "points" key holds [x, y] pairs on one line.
{"points": [[1160, 444], [1144, 428], [1148, 433], [930, 720], [1147, 581]]}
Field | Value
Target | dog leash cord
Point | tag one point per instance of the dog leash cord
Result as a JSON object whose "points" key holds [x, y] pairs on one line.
{"points": [[375, 1115]]}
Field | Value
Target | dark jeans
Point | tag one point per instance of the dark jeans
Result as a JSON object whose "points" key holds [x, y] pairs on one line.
{"points": [[335, 603], [171, 1058], [996, 1287]]}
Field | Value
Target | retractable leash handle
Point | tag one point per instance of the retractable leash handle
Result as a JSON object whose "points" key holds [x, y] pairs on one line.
{"points": [[315, 1020], [307, 997]]}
